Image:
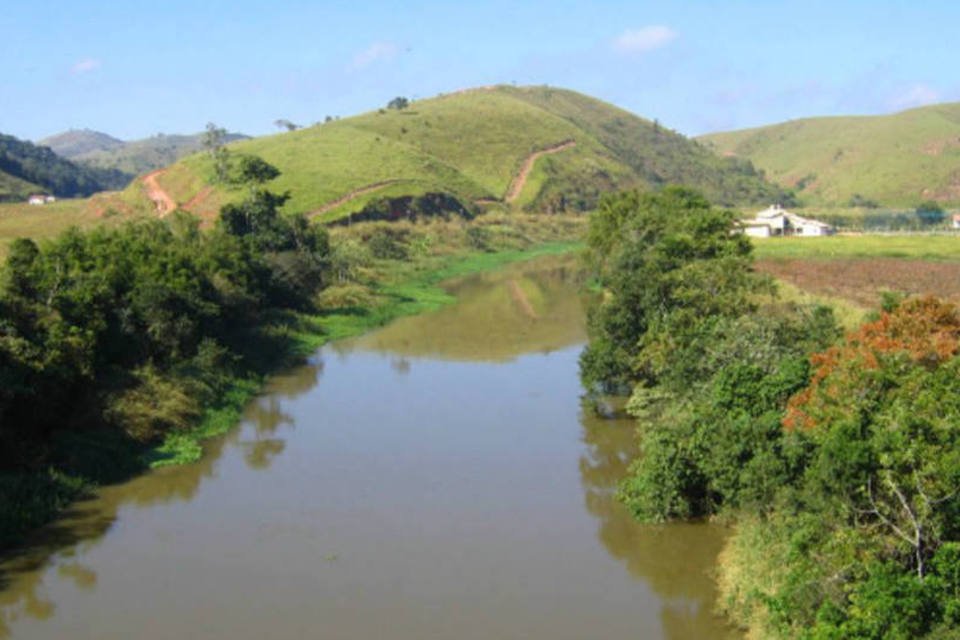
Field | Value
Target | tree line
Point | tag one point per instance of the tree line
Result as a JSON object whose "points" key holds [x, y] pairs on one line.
{"points": [[837, 457], [124, 335], [44, 168]]}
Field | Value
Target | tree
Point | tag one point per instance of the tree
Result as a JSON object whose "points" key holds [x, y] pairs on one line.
{"points": [[668, 261], [399, 103], [254, 170], [283, 123], [213, 141], [930, 213], [888, 454]]}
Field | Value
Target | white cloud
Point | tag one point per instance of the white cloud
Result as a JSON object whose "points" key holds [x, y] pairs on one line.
{"points": [[644, 39], [85, 66], [915, 96], [376, 52]]}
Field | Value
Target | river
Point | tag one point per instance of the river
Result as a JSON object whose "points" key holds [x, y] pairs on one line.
{"points": [[434, 479]]}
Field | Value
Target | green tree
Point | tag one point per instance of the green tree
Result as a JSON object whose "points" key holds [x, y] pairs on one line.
{"points": [[214, 139], [254, 170], [930, 212], [399, 103], [283, 123], [668, 261]]}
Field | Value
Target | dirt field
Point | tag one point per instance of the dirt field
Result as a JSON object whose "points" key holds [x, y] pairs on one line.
{"points": [[862, 280]]}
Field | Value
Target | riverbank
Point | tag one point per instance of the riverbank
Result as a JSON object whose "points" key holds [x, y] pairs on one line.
{"points": [[448, 452], [390, 288], [415, 292]]}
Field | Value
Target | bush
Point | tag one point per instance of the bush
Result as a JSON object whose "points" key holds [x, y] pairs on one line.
{"points": [[388, 243]]}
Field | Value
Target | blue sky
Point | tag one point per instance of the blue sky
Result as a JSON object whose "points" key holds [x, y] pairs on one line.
{"points": [[132, 71]]}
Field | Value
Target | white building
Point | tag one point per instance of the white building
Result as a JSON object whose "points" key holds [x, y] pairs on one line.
{"points": [[40, 199], [777, 221]]}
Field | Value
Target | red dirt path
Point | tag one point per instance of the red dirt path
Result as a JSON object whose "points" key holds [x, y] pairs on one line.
{"points": [[516, 186], [161, 199]]}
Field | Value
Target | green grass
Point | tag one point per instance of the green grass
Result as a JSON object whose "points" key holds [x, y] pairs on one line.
{"points": [[918, 247], [897, 160], [471, 144], [848, 314], [21, 220]]}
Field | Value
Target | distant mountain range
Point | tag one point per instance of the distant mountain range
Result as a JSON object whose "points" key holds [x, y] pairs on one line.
{"points": [[894, 160], [135, 157]]}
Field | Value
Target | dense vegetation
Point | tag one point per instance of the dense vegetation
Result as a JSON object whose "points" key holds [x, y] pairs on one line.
{"points": [[471, 145], [890, 160], [114, 339], [42, 167], [122, 347], [841, 470]]}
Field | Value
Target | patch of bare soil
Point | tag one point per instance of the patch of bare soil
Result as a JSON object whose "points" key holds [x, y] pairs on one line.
{"points": [[161, 199], [863, 280]]}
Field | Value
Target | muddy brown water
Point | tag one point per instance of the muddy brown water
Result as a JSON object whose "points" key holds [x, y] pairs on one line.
{"points": [[436, 479]]}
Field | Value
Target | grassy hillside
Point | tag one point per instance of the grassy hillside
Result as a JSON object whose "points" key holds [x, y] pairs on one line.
{"points": [[134, 157], [472, 145], [894, 160]]}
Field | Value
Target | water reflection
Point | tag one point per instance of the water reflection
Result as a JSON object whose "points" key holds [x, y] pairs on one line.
{"points": [[83, 526], [673, 558], [525, 310], [528, 308], [296, 381], [400, 365]]}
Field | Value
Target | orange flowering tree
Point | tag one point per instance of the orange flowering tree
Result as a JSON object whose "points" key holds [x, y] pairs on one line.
{"points": [[924, 331], [883, 412]]}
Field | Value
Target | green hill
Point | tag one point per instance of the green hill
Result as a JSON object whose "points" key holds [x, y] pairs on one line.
{"points": [[894, 160], [13, 189], [135, 157], [26, 167], [75, 143], [475, 146]]}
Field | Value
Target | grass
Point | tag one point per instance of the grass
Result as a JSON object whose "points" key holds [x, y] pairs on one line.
{"points": [[897, 160], [848, 314], [470, 144], [914, 247], [21, 220]]}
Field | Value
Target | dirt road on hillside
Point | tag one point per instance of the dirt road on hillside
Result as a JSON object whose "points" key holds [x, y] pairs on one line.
{"points": [[516, 186], [161, 199], [350, 195]]}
